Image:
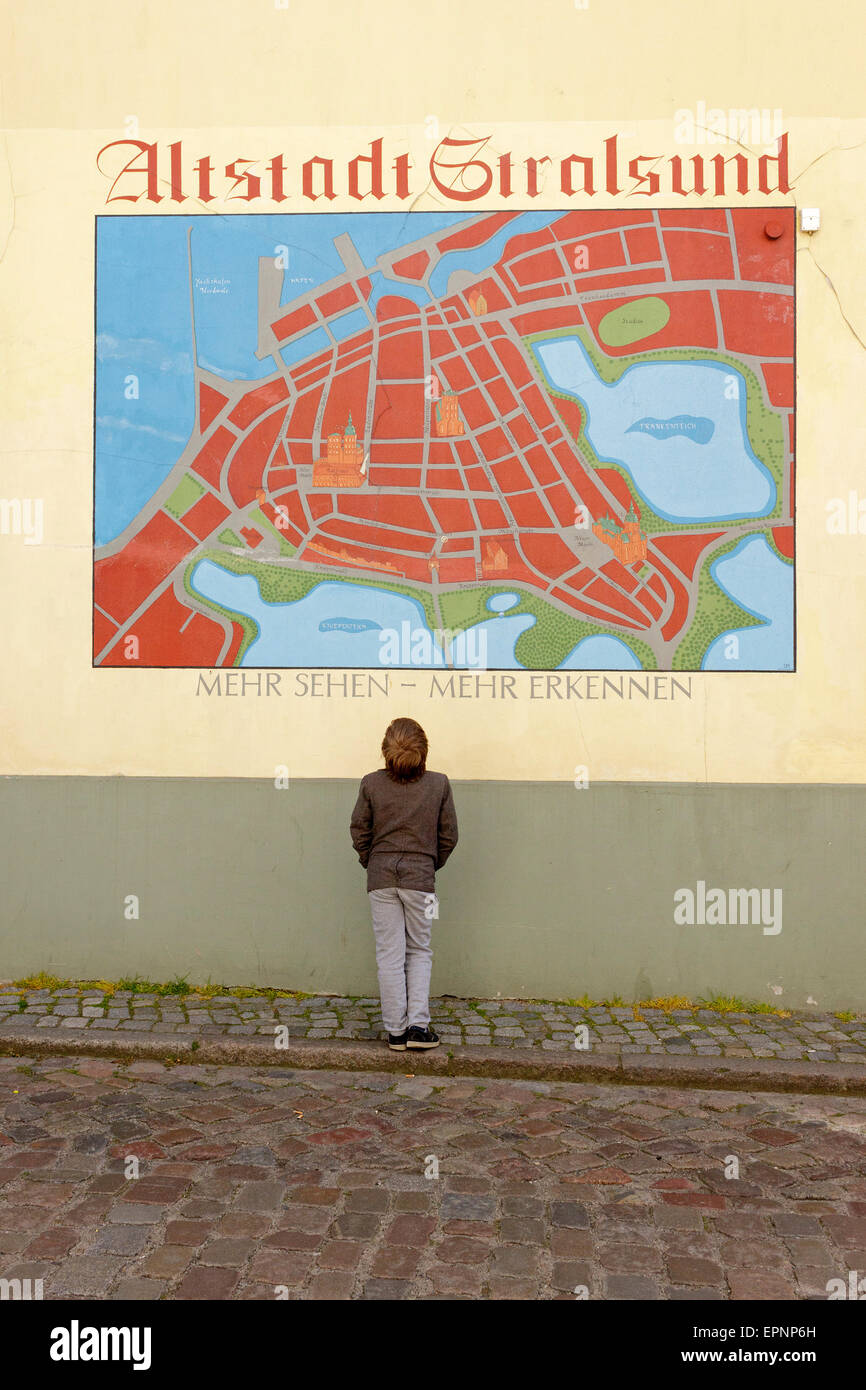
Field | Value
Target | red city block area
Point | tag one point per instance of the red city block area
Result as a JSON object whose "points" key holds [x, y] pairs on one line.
{"points": [[693, 220], [347, 396], [757, 322], [303, 416], [209, 460], [337, 301], [643, 244], [122, 582], [760, 256], [207, 514], [396, 412], [616, 483], [412, 267], [779, 377], [394, 306], [254, 403], [453, 514], [402, 356], [474, 236], [211, 403], [160, 641], [293, 323], [697, 256], [685, 551], [407, 512], [549, 554], [247, 471]]}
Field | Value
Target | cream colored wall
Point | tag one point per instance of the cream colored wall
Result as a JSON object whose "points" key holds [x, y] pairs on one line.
{"points": [[236, 79]]}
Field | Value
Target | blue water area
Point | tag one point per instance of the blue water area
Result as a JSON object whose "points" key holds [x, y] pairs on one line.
{"points": [[355, 321], [495, 638], [683, 481], [498, 603], [374, 233], [331, 626], [478, 258], [600, 653], [697, 428], [755, 578], [145, 408], [382, 288], [348, 625], [315, 341]]}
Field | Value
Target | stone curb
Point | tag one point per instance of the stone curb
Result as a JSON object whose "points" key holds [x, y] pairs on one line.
{"points": [[650, 1069]]}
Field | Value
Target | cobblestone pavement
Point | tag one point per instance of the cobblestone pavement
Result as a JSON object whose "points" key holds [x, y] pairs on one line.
{"points": [[265, 1183], [503, 1023]]}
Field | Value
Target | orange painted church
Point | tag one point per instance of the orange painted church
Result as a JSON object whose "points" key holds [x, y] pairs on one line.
{"points": [[343, 463]]}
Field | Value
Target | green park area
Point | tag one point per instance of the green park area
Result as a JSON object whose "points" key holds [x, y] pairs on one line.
{"points": [[258, 517], [629, 323], [544, 645], [187, 492], [715, 613]]}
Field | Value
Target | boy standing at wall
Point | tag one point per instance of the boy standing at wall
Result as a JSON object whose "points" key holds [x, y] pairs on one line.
{"points": [[404, 827]]}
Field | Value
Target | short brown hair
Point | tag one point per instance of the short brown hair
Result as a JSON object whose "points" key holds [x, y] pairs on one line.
{"points": [[404, 749]]}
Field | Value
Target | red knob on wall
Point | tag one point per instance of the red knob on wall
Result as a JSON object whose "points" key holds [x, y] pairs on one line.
{"points": [[773, 229]]}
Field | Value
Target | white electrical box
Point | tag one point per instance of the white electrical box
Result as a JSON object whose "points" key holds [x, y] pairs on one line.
{"points": [[810, 219]]}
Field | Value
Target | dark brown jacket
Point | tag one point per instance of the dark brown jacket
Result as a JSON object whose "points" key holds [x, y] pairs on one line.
{"points": [[403, 831]]}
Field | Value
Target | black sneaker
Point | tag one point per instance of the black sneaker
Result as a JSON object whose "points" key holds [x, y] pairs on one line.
{"points": [[397, 1041], [421, 1038]]}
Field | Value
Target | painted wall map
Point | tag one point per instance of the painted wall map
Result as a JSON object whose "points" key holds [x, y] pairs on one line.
{"points": [[511, 440]]}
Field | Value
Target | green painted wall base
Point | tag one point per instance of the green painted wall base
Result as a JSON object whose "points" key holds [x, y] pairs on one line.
{"points": [[551, 893]]}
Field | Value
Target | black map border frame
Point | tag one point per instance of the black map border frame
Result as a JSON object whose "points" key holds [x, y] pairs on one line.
{"points": [[515, 670]]}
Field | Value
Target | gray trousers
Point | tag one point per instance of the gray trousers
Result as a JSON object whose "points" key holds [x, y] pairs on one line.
{"points": [[404, 957]]}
